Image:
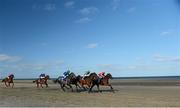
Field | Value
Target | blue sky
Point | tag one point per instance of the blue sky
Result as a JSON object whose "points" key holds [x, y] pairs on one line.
{"points": [[122, 37]]}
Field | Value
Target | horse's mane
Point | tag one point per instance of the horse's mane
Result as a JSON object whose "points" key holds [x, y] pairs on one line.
{"points": [[108, 75], [92, 74], [72, 74]]}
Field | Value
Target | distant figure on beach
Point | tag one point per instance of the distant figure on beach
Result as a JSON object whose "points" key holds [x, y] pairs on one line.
{"points": [[9, 79]]}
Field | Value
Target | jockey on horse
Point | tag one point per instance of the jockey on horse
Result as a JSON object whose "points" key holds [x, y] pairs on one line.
{"points": [[101, 79], [68, 78], [65, 75], [101, 75], [42, 76], [9, 79], [42, 80], [10, 76]]}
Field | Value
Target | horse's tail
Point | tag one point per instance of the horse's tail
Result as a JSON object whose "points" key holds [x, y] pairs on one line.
{"points": [[34, 81], [3, 80]]}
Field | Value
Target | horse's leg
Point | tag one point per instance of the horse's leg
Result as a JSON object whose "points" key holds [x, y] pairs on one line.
{"points": [[62, 87], [12, 84], [76, 87], [41, 85], [66, 87], [6, 84], [37, 84], [98, 88], [70, 87], [85, 88], [82, 85], [111, 87], [46, 84], [91, 87], [79, 86]]}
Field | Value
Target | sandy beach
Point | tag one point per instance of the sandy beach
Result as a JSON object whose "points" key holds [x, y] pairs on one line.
{"points": [[128, 92]]}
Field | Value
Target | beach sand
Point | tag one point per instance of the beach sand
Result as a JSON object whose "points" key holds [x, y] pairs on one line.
{"points": [[128, 92]]}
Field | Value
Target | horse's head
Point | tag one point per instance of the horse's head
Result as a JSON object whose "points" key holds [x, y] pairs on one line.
{"points": [[71, 76], [47, 77], [108, 76]]}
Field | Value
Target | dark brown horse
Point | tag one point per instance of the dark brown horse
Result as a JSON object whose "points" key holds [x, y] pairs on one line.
{"points": [[71, 79], [86, 81], [101, 81], [8, 80], [42, 81]]}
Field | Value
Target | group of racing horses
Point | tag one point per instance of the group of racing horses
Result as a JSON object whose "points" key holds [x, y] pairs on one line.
{"points": [[87, 82]]}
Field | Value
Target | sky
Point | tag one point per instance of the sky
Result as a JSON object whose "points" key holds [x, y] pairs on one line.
{"points": [[126, 38]]}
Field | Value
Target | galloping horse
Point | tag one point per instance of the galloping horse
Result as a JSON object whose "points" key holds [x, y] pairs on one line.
{"points": [[42, 81], [9, 80], [103, 82], [71, 79], [87, 80]]}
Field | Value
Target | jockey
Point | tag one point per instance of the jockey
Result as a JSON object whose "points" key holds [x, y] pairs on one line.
{"points": [[86, 74], [65, 75], [10, 75], [41, 76], [101, 75]]}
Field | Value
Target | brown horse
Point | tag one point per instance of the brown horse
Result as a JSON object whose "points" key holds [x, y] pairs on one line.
{"points": [[87, 80], [8, 80], [42, 81], [101, 81]]}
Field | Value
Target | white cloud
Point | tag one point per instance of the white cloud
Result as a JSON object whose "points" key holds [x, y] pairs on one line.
{"points": [[34, 66], [166, 58], [69, 4], [115, 4], [92, 45], [83, 20], [89, 10], [7, 58], [132, 9], [165, 33], [46, 7], [49, 7]]}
